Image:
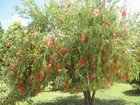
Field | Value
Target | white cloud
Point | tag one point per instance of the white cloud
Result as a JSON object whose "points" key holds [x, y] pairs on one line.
{"points": [[134, 5], [17, 18]]}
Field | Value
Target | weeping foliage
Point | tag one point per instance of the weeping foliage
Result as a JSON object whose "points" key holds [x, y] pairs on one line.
{"points": [[71, 46]]}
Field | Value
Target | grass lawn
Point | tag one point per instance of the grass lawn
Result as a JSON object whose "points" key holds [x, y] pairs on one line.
{"points": [[118, 94]]}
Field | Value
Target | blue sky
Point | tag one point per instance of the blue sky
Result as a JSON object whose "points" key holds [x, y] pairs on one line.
{"points": [[8, 14], [7, 11]]}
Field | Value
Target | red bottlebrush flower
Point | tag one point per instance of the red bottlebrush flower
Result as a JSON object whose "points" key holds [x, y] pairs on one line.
{"points": [[52, 59], [19, 52], [116, 33], [65, 49], [124, 13], [39, 77], [57, 67], [83, 61], [67, 83], [91, 75], [34, 58], [21, 89], [78, 90], [53, 42], [38, 91], [19, 59], [12, 66], [47, 68], [82, 38], [111, 69], [106, 23], [126, 76], [50, 42], [56, 42], [8, 45], [119, 67]]}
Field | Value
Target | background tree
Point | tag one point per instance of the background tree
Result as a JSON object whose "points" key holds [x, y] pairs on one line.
{"points": [[135, 82], [1, 30], [75, 47]]}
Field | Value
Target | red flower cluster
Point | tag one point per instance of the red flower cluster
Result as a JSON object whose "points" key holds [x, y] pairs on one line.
{"points": [[21, 89], [19, 59], [38, 91], [124, 13], [67, 83], [115, 68], [106, 23], [82, 38], [47, 68], [57, 67], [52, 42], [12, 66], [8, 45], [126, 76], [65, 49], [39, 77], [91, 75], [52, 59], [34, 58], [112, 69], [116, 33], [83, 61], [19, 52]]}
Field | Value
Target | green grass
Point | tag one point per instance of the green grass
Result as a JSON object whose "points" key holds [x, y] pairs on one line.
{"points": [[118, 94]]}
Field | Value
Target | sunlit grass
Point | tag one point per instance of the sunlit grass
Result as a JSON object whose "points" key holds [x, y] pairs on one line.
{"points": [[118, 94]]}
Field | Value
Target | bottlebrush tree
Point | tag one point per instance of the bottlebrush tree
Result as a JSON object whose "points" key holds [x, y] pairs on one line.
{"points": [[80, 47], [11, 42], [22, 57]]}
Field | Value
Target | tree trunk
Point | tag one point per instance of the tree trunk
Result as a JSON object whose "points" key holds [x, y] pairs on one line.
{"points": [[89, 99]]}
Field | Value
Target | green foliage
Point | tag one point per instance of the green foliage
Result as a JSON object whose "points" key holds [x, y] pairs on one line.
{"points": [[71, 46], [135, 82]]}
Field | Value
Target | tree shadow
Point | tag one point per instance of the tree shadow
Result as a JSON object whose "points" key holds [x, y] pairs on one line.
{"points": [[132, 92], [75, 100]]}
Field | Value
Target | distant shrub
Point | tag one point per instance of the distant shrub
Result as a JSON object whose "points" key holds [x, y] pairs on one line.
{"points": [[136, 82]]}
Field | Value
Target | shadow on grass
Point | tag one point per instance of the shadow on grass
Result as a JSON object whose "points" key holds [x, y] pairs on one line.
{"points": [[132, 92], [75, 100]]}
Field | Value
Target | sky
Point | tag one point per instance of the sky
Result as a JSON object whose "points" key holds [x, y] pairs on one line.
{"points": [[7, 12], [8, 15]]}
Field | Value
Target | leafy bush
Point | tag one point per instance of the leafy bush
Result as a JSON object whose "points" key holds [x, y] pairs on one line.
{"points": [[75, 47], [135, 82]]}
